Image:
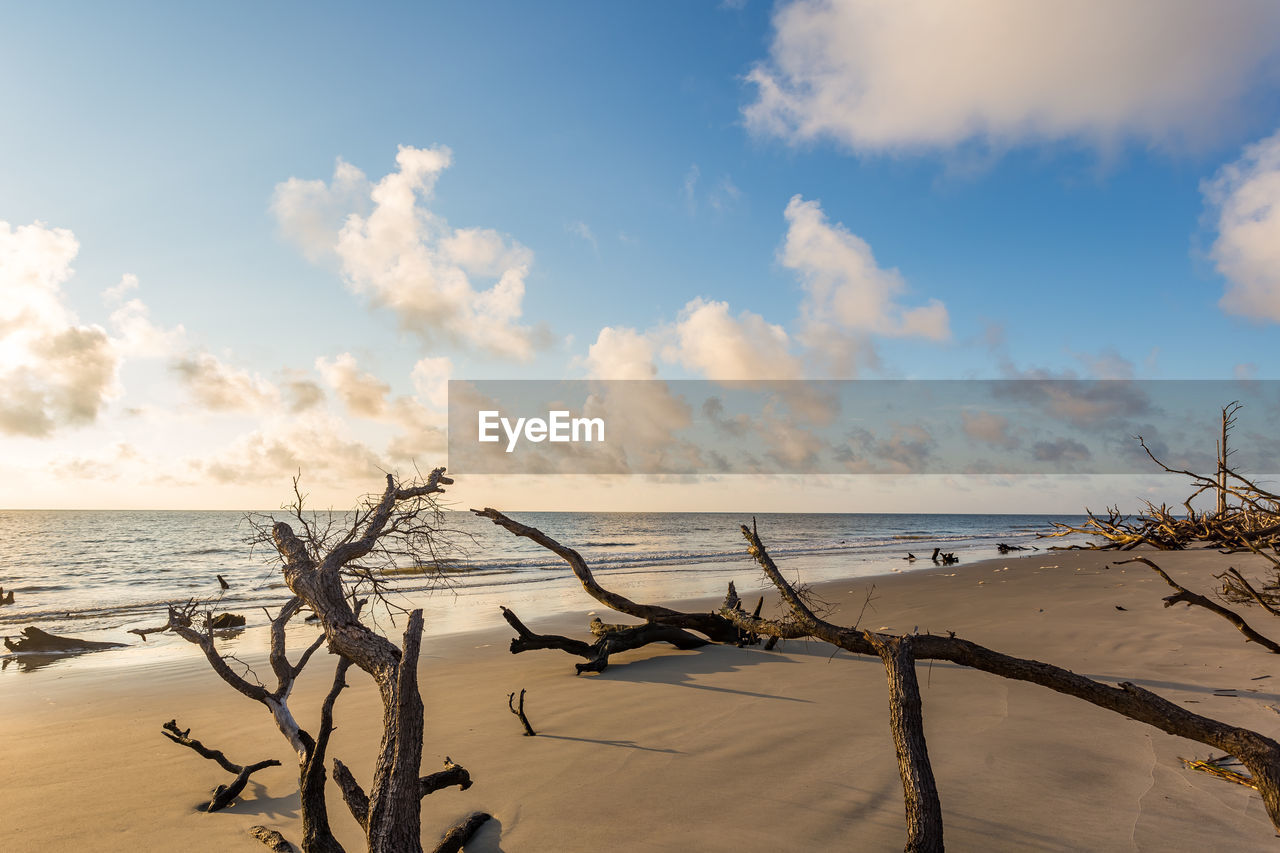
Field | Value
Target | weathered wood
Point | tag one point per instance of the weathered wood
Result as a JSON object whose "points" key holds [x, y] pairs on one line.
{"points": [[1188, 597], [1259, 753], [272, 839], [35, 640], [315, 567], [223, 621], [519, 712], [460, 834], [223, 795], [620, 638], [352, 794], [712, 625], [451, 775], [906, 721]]}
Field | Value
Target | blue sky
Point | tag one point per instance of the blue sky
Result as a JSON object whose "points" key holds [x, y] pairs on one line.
{"points": [[985, 191]]}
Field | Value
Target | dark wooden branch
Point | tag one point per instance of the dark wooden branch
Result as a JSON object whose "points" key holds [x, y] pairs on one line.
{"points": [[354, 550], [272, 839], [519, 712], [452, 774], [455, 838], [35, 640], [610, 642], [352, 794], [924, 810], [1260, 754], [223, 795], [1191, 598], [712, 624]]}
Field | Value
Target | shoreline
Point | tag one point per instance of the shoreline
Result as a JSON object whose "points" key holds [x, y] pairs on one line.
{"points": [[783, 748]]}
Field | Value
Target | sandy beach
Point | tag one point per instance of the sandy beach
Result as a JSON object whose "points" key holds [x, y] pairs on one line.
{"points": [[714, 749]]}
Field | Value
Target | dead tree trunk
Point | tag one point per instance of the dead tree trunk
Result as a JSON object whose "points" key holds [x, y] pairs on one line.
{"points": [[1258, 753], [920, 791], [390, 813]]}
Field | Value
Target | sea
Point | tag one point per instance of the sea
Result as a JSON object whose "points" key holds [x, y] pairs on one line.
{"points": [[97, 574]]}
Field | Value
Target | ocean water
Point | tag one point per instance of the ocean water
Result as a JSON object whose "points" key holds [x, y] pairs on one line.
{"points": [[99, 573]]}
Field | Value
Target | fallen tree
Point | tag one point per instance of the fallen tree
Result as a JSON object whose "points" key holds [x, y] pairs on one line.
{"points": [[661, 624], [1259, 753], [332, 565]]}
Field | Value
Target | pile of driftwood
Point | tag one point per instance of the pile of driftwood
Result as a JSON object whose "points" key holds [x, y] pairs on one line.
{"points": [[1245, 519]]}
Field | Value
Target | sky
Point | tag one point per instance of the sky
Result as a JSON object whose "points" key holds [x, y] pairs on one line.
{"points": [[240, 242]]}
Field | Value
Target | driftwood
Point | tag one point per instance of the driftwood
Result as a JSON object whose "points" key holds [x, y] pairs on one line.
{"points": [[715, 627], [223, 621], [35, 640], [661, 624], [326, 564], [924, 810], [272, 839], [223, 795], [460, 834], [519, 712], [1190, 598], [610, 640], [1258, 753], [314, 569]]}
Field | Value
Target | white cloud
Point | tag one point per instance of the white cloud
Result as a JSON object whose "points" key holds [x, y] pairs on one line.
{"points": [[310, 213], [709, 340], [621, 353], [220, 387], [404, 257], [1246, 198], [875, 75], [421, 433], [431, 380], [848, 297], [315, 443], [54, 371], [363, 394]]}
